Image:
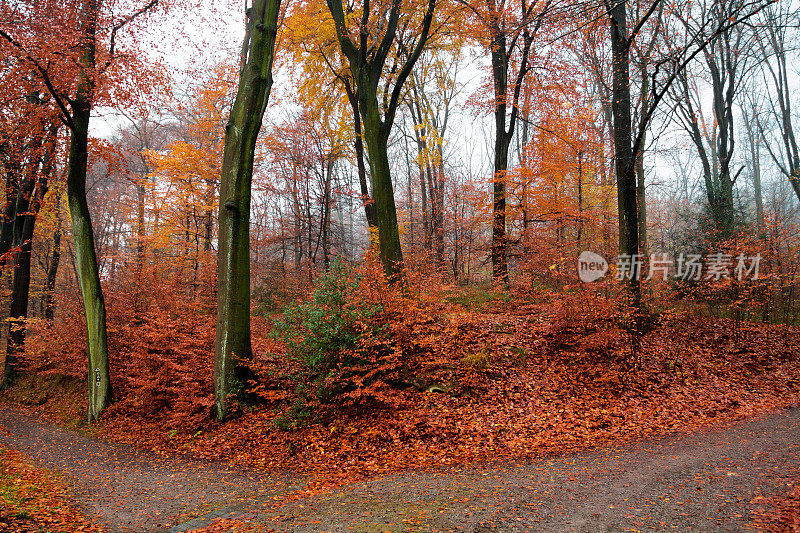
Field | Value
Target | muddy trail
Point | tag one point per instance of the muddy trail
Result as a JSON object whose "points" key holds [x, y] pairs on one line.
{"points": [[711, 480]]}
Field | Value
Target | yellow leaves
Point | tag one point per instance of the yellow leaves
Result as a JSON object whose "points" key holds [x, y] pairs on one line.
{"points": [[183, 177]]}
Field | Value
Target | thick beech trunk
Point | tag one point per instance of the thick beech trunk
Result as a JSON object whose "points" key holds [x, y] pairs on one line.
{"points": [[377, 136], [98, 375], [232, 347]]}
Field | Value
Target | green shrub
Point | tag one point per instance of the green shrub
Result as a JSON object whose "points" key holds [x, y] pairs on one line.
{"points": [[323, 333], [298, 414]]}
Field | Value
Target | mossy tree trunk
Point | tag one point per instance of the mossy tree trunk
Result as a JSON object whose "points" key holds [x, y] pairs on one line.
{"points": [[232, 348], [99, 378]]}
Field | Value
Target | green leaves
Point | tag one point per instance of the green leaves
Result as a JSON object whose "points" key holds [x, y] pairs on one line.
{"points": [[323, 333]]}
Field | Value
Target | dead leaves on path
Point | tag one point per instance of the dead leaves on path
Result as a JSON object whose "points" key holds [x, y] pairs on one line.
{"points": [[34, 500]]}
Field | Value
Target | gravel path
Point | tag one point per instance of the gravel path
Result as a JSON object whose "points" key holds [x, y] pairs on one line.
{"points": [[707, 481]]}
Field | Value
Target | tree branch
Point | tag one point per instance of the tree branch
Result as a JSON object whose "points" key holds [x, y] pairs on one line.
{"points": [[62, 106], [118, 26]]}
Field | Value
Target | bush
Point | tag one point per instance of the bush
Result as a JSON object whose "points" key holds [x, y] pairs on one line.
{"points": [[323, 333]]}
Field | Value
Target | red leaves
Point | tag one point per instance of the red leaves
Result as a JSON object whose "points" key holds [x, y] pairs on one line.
{"points": [[33, 500], [449, 385]]}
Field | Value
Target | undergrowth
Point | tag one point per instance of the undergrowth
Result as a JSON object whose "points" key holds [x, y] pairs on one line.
{"points": [[357, 379]]}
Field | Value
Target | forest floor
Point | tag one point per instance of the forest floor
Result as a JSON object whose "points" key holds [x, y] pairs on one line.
{"points": [[507, 415], [724, 479]]}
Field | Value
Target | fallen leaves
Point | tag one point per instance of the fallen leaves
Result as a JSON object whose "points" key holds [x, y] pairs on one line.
{"points": [[540, 388], [33, 500]]}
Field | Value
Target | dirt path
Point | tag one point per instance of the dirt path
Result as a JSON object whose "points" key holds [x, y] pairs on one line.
{"points": [[707, 481], [129, 490]]}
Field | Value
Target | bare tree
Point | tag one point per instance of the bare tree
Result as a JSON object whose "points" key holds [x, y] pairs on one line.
{"points": [[780, 22]]}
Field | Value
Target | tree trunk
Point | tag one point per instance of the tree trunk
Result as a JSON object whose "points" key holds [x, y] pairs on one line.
{"points": [[580, 200], [20, 291], [29, 201], [641, 196], [232, 346], [140, 247], [326, 214], [366, 197], [52, 268], [86, 259], [502, 140], [755, 161], [499, 236], [377, 138], [13, 171], [98, 375], [437, 203], [623, 149]]}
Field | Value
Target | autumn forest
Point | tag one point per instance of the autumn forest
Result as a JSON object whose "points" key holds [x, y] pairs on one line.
{"points": [[350, 239]]}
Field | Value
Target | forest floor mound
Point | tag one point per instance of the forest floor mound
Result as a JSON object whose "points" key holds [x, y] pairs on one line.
{"points": [[507, 385]]}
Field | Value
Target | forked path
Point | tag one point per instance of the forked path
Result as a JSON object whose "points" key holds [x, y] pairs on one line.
{"points": [[707, 481]]}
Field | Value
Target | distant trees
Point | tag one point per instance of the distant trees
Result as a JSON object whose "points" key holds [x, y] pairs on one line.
{"points": [[430, 101], [303, 154]]}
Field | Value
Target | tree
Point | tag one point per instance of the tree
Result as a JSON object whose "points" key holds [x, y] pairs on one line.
{"points": [[312, 42], [430, 101], [714, 139], [28, 142], [302, 153], [772, 40], [626, 145], [232, 347], [508, 31], [66, 54], [185, 172], [29, 200], [136, 143], [367, 59]]}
